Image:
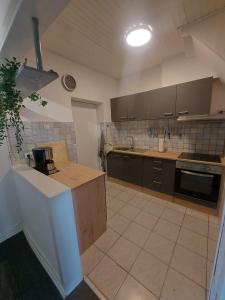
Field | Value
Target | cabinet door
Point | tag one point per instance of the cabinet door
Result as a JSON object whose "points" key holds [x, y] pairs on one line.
{"points": [[162, 102], [134, 169], [116, 166], [194, 97], [138, 107], [147, 175], [168, 176], [119, 109]]}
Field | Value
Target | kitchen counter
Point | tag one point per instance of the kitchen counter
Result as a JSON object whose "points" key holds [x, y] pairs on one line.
{"points": [[167, 155], [74, 175]]}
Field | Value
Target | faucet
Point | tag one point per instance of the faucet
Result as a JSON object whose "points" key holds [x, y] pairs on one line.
{"points": [[131, 141]]}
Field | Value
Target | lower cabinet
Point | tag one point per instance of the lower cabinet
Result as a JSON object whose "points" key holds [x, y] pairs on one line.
{"points": [[153, 173], [125, 167]]}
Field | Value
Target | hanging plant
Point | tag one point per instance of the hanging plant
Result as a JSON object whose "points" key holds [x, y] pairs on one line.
{"points": [[11, 102]]}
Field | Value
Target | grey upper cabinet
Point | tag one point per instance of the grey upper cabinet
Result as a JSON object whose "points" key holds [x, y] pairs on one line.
{"points": [[138, 107], [194, 97], [119, 109], [162, 102]]}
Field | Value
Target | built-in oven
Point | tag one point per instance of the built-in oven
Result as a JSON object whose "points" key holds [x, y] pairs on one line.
{"points": [[198, 182]]}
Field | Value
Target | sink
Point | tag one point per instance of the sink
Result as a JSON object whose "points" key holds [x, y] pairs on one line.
{"points": [[124, 149], [130, 150]]}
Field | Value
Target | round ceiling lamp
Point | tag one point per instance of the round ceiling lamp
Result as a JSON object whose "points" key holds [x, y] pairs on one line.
{"points": [[138, 35]]}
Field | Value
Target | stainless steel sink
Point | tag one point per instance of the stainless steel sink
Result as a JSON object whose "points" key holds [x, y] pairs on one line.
{"points": [[131, 149]]}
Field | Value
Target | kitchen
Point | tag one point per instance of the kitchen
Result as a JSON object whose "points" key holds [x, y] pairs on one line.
{"points": [[159, 109]]}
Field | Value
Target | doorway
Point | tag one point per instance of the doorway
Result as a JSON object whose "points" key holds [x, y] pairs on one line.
{"points": [[87, 133]]}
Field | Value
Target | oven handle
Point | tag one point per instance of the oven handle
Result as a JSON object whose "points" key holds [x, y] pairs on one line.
{"points": [[197, 174]]}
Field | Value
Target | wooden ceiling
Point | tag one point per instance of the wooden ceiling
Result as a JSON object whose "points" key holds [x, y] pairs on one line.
{"points": [[91, 32]]}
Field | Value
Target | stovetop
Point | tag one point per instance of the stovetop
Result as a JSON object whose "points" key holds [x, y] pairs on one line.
{"points": [[200, 157]]}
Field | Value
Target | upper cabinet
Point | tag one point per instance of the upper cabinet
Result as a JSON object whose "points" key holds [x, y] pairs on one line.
{"points": [[194, 97], [189, 98], [162, 103]]}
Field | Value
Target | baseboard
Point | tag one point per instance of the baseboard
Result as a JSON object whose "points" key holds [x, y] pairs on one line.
{"points": [[94, 288], [13, 231], [44, 262]]}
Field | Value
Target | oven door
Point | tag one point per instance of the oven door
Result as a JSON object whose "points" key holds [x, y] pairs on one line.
{"points": [[197, 185]]}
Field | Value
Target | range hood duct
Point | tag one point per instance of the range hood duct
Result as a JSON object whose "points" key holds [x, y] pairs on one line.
{"points": [[214, 117], [29, 79]]}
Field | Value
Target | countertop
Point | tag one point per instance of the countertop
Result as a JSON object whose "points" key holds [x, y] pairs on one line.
{"points": [[167, 155], [74, 175]]}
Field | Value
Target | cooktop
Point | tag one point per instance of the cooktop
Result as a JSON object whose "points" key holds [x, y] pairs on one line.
{"points": [[200, 156]]}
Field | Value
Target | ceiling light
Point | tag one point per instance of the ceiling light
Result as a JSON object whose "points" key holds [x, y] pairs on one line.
{"points": [[138, 35]]}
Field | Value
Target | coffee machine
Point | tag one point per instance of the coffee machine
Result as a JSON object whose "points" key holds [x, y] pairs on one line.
{"points": [[43, 158]]}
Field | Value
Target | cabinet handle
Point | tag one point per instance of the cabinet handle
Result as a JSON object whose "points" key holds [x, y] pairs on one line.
{"points": [[157, 169], [157, 162], [157, 182], [168, 114], [123, 118], [132, 118], [185, 112]]}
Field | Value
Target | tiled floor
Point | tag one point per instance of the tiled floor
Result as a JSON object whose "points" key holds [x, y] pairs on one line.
{"points": [[152, 249]]}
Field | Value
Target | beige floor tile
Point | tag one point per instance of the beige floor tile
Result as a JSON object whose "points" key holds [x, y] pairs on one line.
{"points": [[118, 223], [195, 224], [213, 231], [108, 277], [115, 204], [160, 247], [190, 264], [167, 229], [90, 258], [211, 249], [173, 216], [159, 201], [136, 234], [133, 290], [149, 271], [129, 212], [193, 241], [124, 253], [146, 220], [110, 213], [144, 196], [138, 202], [106, 241], [125, 196], [113, 192], [197, 214], [209, 273], [178, 287], [154, 209], [176, 206], [108, 199]]}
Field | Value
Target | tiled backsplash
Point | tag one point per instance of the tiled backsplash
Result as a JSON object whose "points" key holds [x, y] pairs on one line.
{"points": [[43, 132], [204, 137]]}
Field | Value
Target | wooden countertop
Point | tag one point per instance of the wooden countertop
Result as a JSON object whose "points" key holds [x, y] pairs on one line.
{"points": [[167, 155], [74, 175]]}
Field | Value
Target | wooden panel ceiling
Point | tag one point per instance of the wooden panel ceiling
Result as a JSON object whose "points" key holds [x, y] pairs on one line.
{"points": [[91, 32]]}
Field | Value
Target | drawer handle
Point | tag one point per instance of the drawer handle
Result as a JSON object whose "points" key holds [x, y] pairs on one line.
{"points": [[168, 114], [185, 112], [157, 182], [123, 118], [157, 161], [132, 118], [157, 169]]}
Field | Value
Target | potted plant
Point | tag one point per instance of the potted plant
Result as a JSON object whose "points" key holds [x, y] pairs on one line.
{"points": [[11, 102]]}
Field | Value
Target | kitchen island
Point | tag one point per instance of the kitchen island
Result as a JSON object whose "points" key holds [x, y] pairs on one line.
{"points": [[89, 200]]}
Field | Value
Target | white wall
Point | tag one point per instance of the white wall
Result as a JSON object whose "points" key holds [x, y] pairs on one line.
{"points": [[10, 220], [91, 85]]}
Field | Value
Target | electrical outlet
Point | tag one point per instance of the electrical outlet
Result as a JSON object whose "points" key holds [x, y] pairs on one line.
{"points": [[29, 155]]}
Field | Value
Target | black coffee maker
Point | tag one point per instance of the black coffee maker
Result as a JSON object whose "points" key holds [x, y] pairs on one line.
{"points": [[43, 158]]}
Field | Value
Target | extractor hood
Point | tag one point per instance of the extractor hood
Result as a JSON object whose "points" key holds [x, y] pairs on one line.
{"points": [[29, 79], [212, 117]]}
